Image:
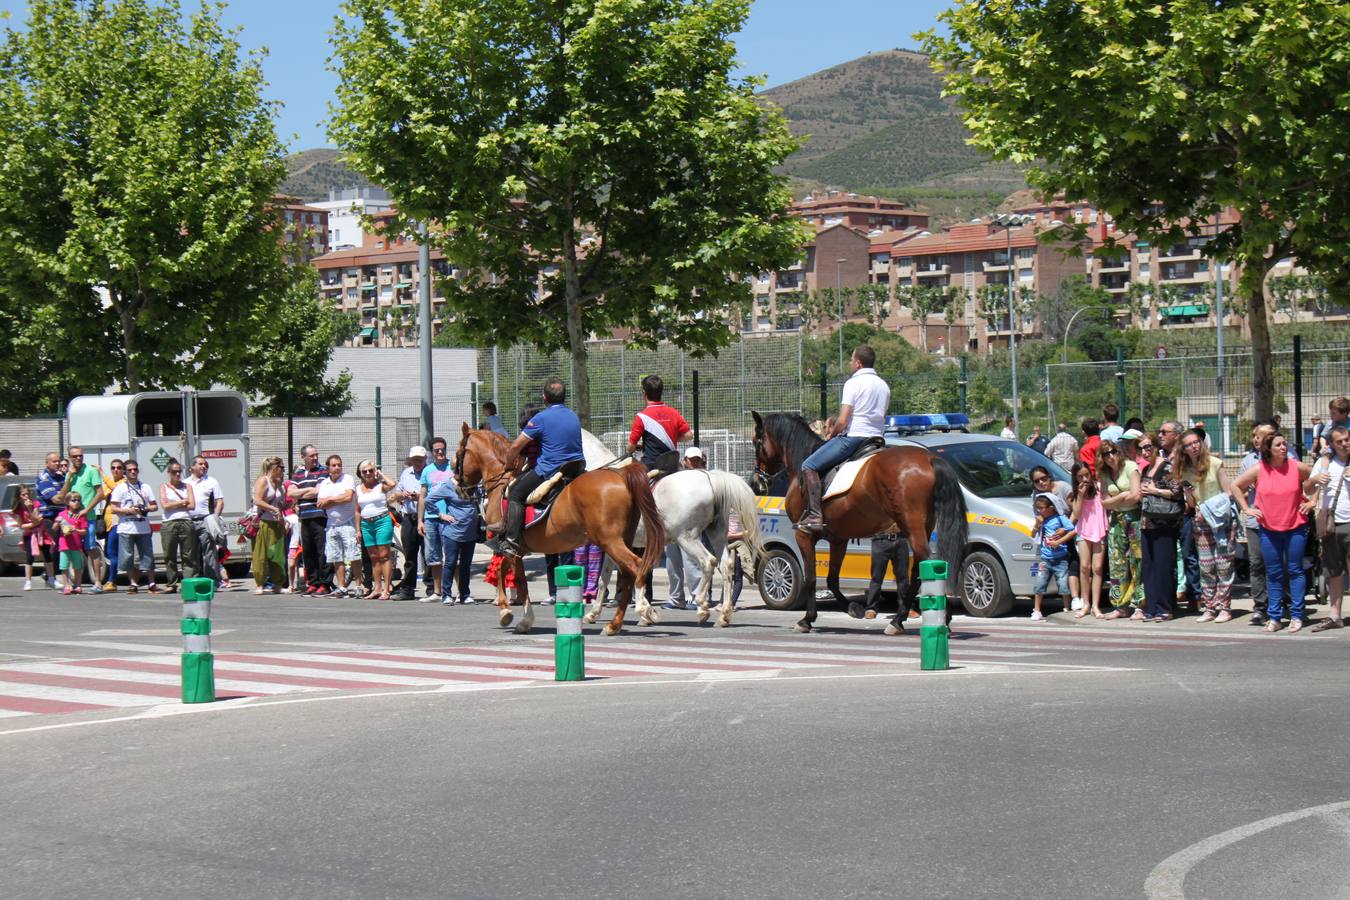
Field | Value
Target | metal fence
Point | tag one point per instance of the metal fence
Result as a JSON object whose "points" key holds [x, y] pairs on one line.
{"points": [[1187, 389]]}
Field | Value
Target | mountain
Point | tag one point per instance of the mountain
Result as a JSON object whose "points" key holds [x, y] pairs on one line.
{"points": [[879, 124], [311, 173]]}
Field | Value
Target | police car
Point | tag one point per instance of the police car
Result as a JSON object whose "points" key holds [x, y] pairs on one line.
{"points": [[994, 476]]}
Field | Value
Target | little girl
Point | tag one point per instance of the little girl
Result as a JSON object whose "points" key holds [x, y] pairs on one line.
{"points": [[71, 528], [1089, 518], [292, 550], [36, 539], [1053, 534]]}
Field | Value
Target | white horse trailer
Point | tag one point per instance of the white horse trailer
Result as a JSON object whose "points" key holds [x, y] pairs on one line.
{"points": [[155, 426]]}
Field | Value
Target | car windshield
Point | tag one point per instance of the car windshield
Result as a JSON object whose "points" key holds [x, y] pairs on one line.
{"points": [[993, 469]]}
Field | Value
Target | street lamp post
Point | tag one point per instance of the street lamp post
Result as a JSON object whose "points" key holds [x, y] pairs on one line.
{"points": [[1067, 328], [424, 334], [1009, 221], [839, 299]]}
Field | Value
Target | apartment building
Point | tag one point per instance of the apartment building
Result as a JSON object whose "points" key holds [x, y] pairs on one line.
{"points": [[379, 283], [345, 209], [304, 229], [836, 258], [974, 258], [868, 214]]}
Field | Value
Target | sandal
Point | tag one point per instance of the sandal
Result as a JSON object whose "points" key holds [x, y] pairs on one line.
{"points": [[1079, 614], [384, 595], [1114, 614], [1138, 616], [1328, 624], [1098, 614]]}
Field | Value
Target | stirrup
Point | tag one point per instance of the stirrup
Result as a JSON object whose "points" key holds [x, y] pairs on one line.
{"points": [[810, 525]]}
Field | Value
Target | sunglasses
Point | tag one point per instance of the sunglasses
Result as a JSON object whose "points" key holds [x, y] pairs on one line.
{"points": [[366, 472], [437, 449], [1145, 446], [1111, 453], [175, 471]]}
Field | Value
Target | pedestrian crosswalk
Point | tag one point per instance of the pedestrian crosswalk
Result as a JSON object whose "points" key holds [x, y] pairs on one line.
{"points": [[152, 678]]}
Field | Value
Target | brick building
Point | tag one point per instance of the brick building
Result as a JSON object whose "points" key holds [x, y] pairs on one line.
{"points": [[304, 229]]}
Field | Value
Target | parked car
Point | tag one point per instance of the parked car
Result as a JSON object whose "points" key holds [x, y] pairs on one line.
{"points": [[11, 544], [997, 568]]}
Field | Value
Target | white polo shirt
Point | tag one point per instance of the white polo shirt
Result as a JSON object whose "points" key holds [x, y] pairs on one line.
{"points": [[869, 396]]}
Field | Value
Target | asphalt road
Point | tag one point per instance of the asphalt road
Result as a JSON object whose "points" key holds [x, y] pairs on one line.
{"points": [[1110, 762]]}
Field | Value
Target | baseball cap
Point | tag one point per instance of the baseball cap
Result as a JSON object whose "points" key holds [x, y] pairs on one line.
{"points": [[418, 450], [1132, 435], [693, 453]]}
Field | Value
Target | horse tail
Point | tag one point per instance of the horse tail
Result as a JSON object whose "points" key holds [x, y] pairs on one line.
{"points": [[949, 507], [730, 492], [640, 489]]}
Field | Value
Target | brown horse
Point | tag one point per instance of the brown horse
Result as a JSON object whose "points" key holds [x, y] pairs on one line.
{"points": [[600, 507], [904, 489]]}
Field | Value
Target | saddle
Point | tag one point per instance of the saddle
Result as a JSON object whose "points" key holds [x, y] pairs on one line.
{"points": [[838, 480]]}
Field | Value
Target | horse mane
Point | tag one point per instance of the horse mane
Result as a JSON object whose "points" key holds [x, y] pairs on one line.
{"points": [[794, 437]]}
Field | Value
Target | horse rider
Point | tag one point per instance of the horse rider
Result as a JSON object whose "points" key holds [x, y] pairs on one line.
{"points": [[558, 431], [862, 416], [660, 428]]}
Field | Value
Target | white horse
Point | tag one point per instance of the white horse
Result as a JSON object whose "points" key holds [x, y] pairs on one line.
{"points": [[695, 502]]}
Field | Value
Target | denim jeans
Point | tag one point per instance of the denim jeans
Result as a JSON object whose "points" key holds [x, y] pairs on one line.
{"points": [[832, 453], [1283, 553], [1059, 569], [458, 557], [133, 545]]}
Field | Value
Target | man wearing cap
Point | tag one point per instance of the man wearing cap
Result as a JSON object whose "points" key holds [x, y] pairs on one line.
{"points": [[405, 495], [679, 570], [862, 415], [659, 428]]}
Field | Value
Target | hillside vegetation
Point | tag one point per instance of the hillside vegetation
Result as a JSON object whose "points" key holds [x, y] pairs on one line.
{"points": [[878, 124], [312, 173]]}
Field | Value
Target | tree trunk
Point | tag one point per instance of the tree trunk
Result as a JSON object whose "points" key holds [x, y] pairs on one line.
{"points": [[1263, 372], [923, 332], [128, 317], [576, 333]]}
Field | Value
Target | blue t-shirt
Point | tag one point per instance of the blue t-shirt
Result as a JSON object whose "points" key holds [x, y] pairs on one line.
{"points": [[558, 431], [1052, 525], [432, 476], [48, 486]]}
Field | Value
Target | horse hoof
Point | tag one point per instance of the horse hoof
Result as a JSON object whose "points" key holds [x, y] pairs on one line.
{"points": [[702, 616], [802, 628], [521, 628], [609, 631], [893, 629], [721, 623], [589, 618], [505, 618], [643, 623]]}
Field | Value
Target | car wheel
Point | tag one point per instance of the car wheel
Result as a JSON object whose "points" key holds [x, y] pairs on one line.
{"points": [[780, 580], [984, 586]]}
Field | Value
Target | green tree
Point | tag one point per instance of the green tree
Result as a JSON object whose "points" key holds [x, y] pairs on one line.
{"points": [[1165, 114], [600, 147], [140, 164], [282, 369]]}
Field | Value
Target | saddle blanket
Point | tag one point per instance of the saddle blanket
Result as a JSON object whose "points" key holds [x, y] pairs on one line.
{"points": [[844, 476]]}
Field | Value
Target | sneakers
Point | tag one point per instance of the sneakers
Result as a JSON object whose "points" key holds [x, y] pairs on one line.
{"points": [[96, 589], [672, 604], [1076, 604], [1037, 615], [51, 581], [465, 600], [28, 585], [448, 601], [1223, 616], [1258, 618], [1206, 616], [550, 601], [110, 587], [429, 598]]}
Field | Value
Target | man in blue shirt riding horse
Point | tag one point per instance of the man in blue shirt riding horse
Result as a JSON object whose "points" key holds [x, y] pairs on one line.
{"points": [[558, 431]]}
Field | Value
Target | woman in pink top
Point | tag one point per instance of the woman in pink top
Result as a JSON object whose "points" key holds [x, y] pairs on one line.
{"points": [[1281, 509], [1089, 519]]}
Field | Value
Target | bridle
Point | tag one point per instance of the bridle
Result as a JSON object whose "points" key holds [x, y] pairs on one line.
{"points": [[488, 485], [760, 471]]}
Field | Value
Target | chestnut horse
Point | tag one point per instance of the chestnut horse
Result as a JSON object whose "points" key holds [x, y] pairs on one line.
{"points": [[600, 507], [904, 489]]}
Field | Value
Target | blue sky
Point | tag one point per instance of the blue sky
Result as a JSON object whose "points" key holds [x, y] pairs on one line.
{"points": [[783, 39]]}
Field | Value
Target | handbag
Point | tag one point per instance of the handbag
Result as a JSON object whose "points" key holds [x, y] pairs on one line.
{"points": [[1326, 513], [1163, 510]]}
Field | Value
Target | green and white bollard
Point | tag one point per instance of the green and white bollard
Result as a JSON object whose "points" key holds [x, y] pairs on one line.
{"points": [[569, 644], [933, 630], [199, 669]]}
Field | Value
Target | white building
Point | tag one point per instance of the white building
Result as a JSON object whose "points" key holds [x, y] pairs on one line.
{"points": [[345, 209]]}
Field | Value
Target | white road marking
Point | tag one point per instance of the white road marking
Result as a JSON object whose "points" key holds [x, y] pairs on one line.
{"points": [[109, 645], [144, 632], [1167, 880]]}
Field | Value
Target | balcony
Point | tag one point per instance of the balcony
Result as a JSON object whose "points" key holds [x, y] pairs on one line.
{"points": [[1114, 265], [1178, 253], [1185, 274], [933, 271]]}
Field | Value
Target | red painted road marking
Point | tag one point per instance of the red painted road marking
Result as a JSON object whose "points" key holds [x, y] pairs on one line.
{"points": [[92, 684], [371, 670], [335, 684], [544, 668], [27, 705], [655, 661]]}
